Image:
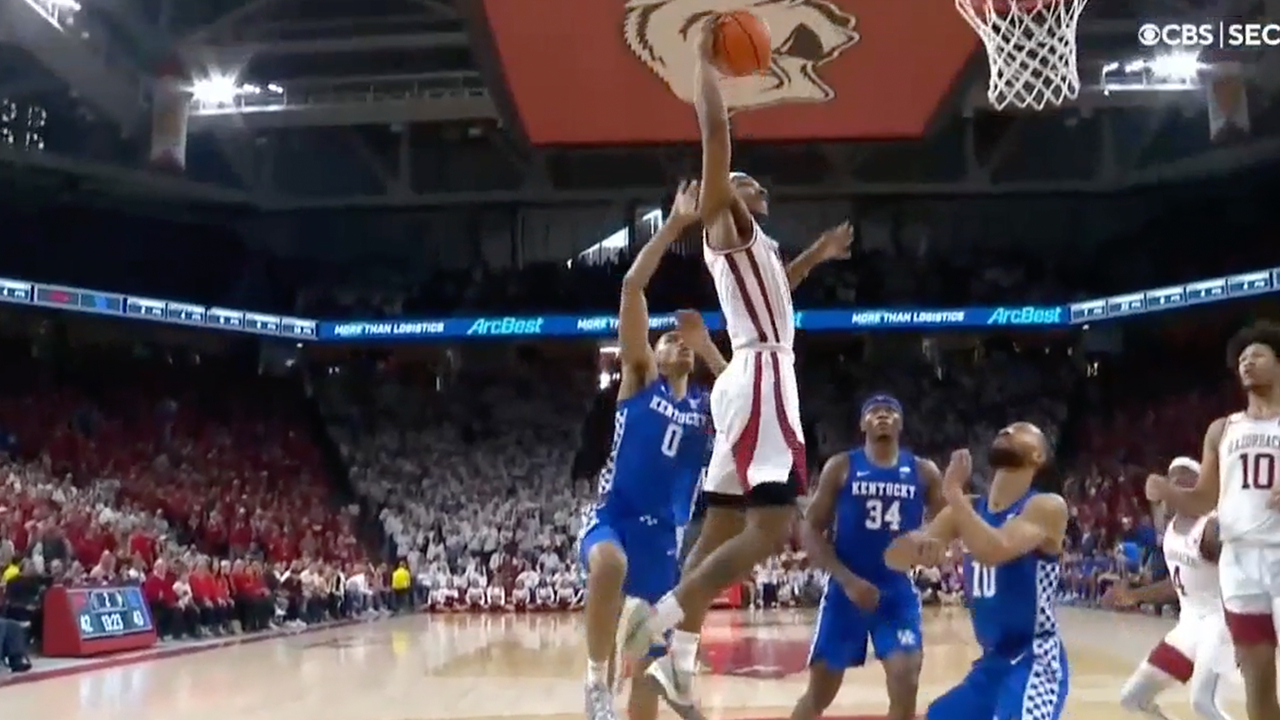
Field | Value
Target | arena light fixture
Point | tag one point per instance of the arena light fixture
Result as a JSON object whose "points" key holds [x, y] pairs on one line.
{"points": [[1167, 72]]}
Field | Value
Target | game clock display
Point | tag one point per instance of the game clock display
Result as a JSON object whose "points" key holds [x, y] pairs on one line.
{"points": [[95, 621]]}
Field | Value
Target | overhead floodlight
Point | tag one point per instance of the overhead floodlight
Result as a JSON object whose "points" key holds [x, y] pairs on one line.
{"points": [[1177, 66], [215, 90]]}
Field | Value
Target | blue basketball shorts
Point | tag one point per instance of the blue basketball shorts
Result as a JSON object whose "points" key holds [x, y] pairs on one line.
{"points": [[1029, 686], [652, 551], [842, 631]]}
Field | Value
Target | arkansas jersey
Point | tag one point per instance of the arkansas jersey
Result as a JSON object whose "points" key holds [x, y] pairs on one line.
{"points": [[1248, 462], [755, 295], [1199, 641], [1194, 578]]}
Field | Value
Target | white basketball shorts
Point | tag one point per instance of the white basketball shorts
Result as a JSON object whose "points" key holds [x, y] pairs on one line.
{"points": [[1250, 580], [1199, 642], [755, 407]]}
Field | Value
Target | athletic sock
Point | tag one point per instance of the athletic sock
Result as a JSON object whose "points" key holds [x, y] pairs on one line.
{"points": [[684, 651], [597, 673], [665, 615]]}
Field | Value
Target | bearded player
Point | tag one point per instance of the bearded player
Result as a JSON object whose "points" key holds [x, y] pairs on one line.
{"points": [[1013, 541], [1197, 651], [1238, 470], [865, 499], [630, 539], [757, 465]]}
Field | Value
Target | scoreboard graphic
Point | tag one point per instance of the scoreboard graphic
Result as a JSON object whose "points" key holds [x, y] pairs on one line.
{"points": [[95, 621]]}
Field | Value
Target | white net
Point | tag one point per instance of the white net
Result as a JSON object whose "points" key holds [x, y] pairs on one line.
{"points": [[1031, 49]]}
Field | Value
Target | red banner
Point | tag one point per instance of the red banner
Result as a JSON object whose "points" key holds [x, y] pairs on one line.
{"points": [[620, 71]]}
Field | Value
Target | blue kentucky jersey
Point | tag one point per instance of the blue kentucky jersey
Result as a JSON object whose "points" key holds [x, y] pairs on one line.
{"points": [[660, 445], [876, 505], [1013, 605]]}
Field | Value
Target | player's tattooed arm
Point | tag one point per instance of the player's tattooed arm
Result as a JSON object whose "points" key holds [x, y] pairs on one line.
{"points": [[933, 498], [1203, 498], [638, 365], [693, 330], [833, 244]]}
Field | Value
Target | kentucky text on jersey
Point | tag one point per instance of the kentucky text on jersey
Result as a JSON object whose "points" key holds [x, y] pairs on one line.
{"points": [[883, 489], [1251, 441], [876, 505], [664, 407], [660, 446]]}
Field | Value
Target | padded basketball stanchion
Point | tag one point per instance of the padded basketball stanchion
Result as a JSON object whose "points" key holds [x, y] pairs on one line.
{"points": [[1031, 49]]}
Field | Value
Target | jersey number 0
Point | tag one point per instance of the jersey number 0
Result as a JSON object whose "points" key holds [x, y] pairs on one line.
{"points": [[671, 440]]}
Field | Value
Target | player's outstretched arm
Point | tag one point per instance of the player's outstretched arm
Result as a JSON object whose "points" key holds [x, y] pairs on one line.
{"points": [[638, 365], [1042, 525], [1203, 498], [693, 330], [727, 220], [831, 245]]}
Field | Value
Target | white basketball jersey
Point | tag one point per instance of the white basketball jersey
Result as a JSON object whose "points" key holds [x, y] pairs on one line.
{"points": [[1194, 578], [1248, 462], [755, 295]]}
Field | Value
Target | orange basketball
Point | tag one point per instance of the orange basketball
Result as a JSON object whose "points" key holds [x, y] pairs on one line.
{"points": [[741, 44]]}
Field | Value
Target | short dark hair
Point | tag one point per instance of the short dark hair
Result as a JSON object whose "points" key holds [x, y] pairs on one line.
{"points": [[1262, 332]]}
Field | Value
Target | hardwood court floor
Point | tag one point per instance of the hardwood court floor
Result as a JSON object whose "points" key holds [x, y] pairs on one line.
{"points": [[501, 666]]}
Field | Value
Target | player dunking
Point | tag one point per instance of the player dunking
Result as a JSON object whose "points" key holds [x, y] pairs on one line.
{"points": [[1197, 651], [865, 499], [755, 404], [629, 540], [1238, 474], [1013, 538]]}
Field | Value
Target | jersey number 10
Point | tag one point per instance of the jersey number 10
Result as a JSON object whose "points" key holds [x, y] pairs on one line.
{"points": [[1258, 470], [671, 440]]}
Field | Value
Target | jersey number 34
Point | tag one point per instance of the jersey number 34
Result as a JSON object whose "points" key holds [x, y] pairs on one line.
{"points": [[881, 514]]}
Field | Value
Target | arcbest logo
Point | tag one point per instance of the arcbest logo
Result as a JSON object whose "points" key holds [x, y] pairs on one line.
{"points": [[506, 326], [1026, 316], [1209, 35]]}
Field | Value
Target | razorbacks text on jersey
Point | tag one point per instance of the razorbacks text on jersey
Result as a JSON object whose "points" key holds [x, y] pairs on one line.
{"points": [[1022, 672], [875, 505], [1248, 465]]}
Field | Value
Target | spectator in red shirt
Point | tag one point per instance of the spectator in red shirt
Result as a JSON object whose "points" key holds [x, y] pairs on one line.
{"points": [[254, 607], [215, 613], [157, 588]]}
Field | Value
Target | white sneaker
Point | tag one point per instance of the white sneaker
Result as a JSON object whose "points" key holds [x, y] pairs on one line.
{"points": [[634, 638], [674, 686]]}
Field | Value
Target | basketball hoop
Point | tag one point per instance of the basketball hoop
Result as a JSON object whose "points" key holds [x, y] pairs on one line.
{"points": [[1031, 49]]}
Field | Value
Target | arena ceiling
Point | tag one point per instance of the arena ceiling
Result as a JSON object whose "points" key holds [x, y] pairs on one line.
{"points": [[412, 103]]}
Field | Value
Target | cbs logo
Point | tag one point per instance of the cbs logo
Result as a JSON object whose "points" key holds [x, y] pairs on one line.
{"points": [[1176, 35]]}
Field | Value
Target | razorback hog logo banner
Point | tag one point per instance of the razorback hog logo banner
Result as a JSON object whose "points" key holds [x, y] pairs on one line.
{"points": [[621, 71]]}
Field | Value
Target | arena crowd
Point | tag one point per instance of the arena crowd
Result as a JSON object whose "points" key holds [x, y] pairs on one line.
{"points": [[245, 494]]}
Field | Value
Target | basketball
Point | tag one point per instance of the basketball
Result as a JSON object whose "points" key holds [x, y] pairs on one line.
{"points": [[740, 44]]}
